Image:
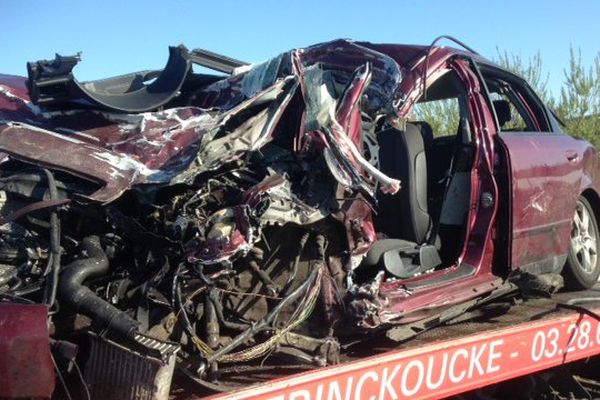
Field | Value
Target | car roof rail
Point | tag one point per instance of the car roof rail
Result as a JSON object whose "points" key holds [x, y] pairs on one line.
{"points": [[426, 67]]}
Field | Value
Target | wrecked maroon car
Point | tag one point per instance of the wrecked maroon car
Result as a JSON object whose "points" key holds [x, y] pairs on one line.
{"points": [[176, 223]]}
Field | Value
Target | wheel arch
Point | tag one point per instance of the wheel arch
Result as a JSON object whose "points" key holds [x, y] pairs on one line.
{"points": [[594, 199], [575, 278]]}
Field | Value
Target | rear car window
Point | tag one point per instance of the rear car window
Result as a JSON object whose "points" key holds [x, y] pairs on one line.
{"points": [[514, 121], [516, 106]]}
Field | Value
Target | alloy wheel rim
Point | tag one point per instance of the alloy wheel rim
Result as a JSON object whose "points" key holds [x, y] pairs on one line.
{"points": [[584, 239]]}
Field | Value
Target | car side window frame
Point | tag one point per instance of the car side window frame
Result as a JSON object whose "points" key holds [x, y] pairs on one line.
{"points": [[533, 100], [522, 107], [522, 97], [466, 133]]}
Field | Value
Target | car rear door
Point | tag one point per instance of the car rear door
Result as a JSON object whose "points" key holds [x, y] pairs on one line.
{"points": [[544, 176]]}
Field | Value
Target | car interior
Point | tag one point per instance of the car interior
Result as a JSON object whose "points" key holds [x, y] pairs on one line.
{"points": [[422, 227]]}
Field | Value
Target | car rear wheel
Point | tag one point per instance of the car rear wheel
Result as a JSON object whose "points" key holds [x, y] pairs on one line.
{"points": [[582, 268]]}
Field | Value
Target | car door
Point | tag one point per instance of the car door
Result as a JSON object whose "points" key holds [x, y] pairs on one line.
{"points": [[544, 176]]}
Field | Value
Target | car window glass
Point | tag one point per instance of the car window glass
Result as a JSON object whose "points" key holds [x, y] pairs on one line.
{"points": [[516, 106], [533, 105], [514, 120]]}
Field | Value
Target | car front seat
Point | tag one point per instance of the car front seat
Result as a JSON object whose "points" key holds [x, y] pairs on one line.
{"points": [[403, 217], [426, 134], [402, 156]]}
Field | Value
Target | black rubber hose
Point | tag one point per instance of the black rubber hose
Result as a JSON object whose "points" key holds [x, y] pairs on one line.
{"points": [[213, 296], [54, 260], [83, 299]]}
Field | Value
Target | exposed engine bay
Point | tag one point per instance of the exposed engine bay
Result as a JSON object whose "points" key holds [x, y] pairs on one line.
{"points": [[227, 225]]}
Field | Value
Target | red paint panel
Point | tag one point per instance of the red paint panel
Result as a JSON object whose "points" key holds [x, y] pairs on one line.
{"points": [[443, 368], [545, 186], [26, 368]]}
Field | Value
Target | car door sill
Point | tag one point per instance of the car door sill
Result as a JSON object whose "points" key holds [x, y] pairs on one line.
{"points": [[463, 271]]}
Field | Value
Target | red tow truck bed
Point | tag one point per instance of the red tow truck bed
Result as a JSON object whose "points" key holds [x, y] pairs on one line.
{"points": [[451, 359]]}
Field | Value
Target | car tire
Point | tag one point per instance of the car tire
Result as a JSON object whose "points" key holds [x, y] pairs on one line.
{"points": [[583, 268]]}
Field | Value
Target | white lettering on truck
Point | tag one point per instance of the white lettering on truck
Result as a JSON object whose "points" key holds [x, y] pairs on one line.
{"points": [[442, 371], [405, 380], [361, 381], [404, 383]]}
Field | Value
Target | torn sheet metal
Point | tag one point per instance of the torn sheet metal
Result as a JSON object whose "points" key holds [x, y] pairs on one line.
{"points": [[216, 222], [156, 147]]}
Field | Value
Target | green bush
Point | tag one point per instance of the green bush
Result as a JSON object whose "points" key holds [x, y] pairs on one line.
{"points": [[578, 104]]}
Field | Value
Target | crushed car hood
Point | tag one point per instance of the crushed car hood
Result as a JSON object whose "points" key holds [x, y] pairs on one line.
{"points": [[218, 125]]}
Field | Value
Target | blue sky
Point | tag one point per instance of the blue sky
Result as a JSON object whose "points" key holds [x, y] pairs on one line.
{"points": [[123, 36]]}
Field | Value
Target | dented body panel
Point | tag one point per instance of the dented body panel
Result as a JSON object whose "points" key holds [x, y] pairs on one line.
{"points": [[541, 218], [238, 221]]}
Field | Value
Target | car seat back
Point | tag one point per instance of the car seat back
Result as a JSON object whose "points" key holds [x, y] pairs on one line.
{"points": [[404, 215]]}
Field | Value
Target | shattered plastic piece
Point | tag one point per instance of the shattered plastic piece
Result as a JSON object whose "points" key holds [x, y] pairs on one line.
{"points": [[52, 83], [229, 233]]}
